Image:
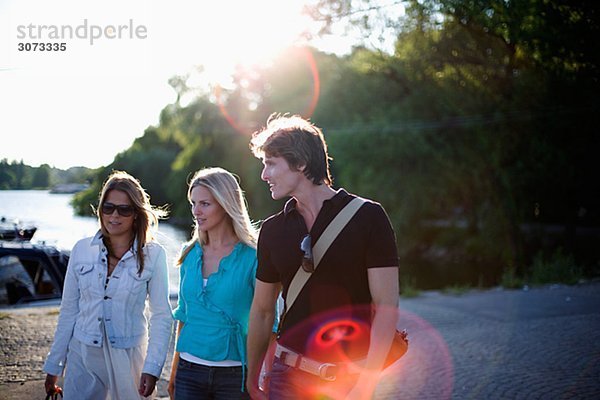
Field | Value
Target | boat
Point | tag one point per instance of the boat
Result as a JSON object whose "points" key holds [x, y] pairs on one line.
{"points": [[68, 188], [13, 230], [31, 273]]}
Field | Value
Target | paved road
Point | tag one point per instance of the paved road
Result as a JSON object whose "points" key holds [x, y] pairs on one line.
{"points": [[543, 343]]}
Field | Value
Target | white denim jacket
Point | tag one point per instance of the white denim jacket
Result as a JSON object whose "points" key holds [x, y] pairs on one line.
{"points": [[86, 304]]}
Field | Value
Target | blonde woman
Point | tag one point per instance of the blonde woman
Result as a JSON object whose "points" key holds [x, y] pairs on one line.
{"points": [[216, 287], [102, 336]]}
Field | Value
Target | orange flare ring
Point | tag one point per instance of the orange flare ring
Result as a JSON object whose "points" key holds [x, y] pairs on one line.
{"points": [[314, 71], [335, 331]]}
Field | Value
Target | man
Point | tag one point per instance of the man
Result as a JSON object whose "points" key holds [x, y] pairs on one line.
{"points": [[347, 310]]}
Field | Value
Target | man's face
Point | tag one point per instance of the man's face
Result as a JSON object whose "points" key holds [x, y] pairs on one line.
{"points": [[282, 180]]}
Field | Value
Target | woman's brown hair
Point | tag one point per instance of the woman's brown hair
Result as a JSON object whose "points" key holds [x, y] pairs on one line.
{"points": [[146, 216]]}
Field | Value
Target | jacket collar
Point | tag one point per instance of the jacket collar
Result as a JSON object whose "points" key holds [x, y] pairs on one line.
{"points": [[97, 241]]}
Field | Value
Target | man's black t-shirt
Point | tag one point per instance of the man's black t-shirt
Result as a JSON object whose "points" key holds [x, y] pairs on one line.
{"points": [[337, 295]]}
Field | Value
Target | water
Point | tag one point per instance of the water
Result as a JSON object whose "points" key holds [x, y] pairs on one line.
{"points": [[59, 226]]}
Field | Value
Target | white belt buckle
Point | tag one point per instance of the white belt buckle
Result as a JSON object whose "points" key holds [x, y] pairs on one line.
{"points": [[322, 370]]}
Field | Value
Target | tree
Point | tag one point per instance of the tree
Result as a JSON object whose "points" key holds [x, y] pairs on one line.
{"points": [[480, 121], [41, 177], [505, 93], [7, 178]]}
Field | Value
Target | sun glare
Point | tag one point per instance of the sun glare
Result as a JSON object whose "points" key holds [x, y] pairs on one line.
{"points": [[264, 28], [246, 33], [222, 37], [232, 38]]}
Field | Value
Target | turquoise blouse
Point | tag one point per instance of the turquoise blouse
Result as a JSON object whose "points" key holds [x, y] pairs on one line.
{"points": [[216, 317]]}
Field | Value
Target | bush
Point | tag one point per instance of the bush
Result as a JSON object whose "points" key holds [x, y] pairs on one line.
{"points": [[456, 290], [408, 287], [557, 268], [510, 280]]}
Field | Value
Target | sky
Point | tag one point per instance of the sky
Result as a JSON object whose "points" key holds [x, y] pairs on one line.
{"points": [[82, 105]]}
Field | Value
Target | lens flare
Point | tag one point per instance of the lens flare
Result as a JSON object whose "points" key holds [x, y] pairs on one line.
{"points": [[425, 371], [246, 126]]}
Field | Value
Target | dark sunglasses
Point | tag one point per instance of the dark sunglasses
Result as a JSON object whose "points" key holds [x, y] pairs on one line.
{"points": [[124, 210], [308, 263]]}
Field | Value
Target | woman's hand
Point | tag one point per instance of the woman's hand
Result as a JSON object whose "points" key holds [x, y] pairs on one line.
{"points": [[147, 383], [50, 384], [171, 388], [256, 393]]}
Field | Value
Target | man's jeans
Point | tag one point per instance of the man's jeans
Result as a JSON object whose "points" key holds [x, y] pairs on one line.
{"points": [[288, 383], [197, 382]]}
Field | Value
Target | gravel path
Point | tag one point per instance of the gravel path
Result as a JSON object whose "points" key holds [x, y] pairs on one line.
{"points": [[542, 343], [26, 335]]}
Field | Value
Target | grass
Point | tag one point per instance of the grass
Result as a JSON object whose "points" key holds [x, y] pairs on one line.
{"points": [[456, 290], [4, 316], [408, 287], [510, 279], [557, 267]]}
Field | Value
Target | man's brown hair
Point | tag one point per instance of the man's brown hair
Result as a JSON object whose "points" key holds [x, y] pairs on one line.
{"points": [[298, 141]]}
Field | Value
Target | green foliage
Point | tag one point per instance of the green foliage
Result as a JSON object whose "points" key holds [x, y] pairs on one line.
{"points": [[408, 287], [555, 268], [17, 175], [510, 280], [480, 123], [456, 290], [71, 175], [41, 177], [83, 201], [7, 176]]}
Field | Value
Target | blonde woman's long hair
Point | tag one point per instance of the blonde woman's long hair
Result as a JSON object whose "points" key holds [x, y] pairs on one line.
{"points": [[226, 190], [146, 216]]}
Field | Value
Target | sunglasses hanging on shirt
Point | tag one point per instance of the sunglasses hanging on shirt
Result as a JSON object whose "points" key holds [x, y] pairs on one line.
{"points": [[308, 262]]}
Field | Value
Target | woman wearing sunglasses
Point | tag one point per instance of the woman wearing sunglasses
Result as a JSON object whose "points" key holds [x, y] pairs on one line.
{"points": [[216, 286], [103, 341]]}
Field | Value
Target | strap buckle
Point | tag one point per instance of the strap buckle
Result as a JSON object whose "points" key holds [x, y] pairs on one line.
{"points": [[287, 356], [323, 373]]}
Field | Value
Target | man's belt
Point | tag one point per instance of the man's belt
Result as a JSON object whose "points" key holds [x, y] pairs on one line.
{"points": [[325, 371]]}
